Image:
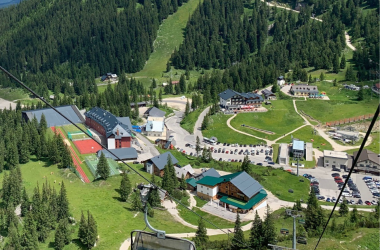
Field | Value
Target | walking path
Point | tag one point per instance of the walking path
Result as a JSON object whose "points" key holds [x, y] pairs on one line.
{"points": [[348, 41]]}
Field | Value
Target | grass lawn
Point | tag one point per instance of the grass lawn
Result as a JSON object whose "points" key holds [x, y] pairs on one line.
{"points": [[115, 220], [11, 94], [189, 121], [307, 164], [200, 202], [374, 146], [306, 134], [279, 182], [218, 128], [193, 219], [281, 118], [169, 37], [275, 152]]}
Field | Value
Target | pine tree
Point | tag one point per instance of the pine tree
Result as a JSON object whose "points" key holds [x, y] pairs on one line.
{"points": [[29, 238], [53, 150], [154, 198], [13, 238], [2, 156], [187, 110], [343, 62], [269, 228], [183, 184], [314, 217], [43, 124], [182, 84], [343, 209], [62, 204], [322, 77], [136, 201], [25, 204], [167, 181], [350, 74], [13, 156], [205, 122], [274, 88], [201, 237], [336, 65], [10, 217], [245, 166], [238, 239], [83, 229], [361, 94], [256, 237], [354, 215], [67, 160], [125, 187], [102, 169], [92, 231], [198, 146]]}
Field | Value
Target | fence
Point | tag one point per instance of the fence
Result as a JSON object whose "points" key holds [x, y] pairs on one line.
{"points": [[79, 136], [350, 120]]}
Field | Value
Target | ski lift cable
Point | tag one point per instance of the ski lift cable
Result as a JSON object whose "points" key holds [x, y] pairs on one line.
{"points": [[105, 148], [349, 173]]}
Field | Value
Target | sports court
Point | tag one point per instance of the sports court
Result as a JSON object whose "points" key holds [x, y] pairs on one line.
{"points": [[92, 162], [87, 146]]}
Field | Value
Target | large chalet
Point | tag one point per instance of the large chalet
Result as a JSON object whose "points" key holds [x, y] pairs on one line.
{"points": [[117, 130], [236, 192], [157, 164], [232, 100]]}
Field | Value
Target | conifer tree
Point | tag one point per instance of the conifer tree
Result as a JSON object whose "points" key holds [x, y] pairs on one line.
{"points": [[182, 84], [322, 76], [154, 198], [103, 169], [245, 165], [29, 238], [136, 201], [2, 156], [183, 184], [336, 65], [201, 237], [67, 160], [12, 156], [83, 229], [343, 62], [62, 204], [25, 204], [269, 228], [275, 88], [44, 147], [167, 181], [343, 209], [10, 217], [125, 187], [54, 154], [238, 239], [314, 217], [198, 146], [256, 237], [92, 231], [354, 215], [43, 124], [13, 238], [205, 122], [187, 110]]}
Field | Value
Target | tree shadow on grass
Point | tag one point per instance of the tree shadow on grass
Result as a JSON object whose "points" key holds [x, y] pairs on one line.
{"points": [[79, 244], [118, 199]]}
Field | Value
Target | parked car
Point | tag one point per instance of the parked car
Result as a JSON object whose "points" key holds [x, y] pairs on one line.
{"points": [[320, 197], [367, 178], [368, 203], [360, 202], [259, 164], [191, 153], [345, 176], [333, 199], [356, 195], [328, 200], [227, 152], [136, 162], [373, 202], [220, 159], [271, 163], [336, 169], [240, 160]]}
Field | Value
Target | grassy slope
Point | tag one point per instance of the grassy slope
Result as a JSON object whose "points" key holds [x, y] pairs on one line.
{"points": [[281, 118], [218, 128], [280, 181], [306, 134], [12, 94], [114, 218], [189, 121], [169, 37]]}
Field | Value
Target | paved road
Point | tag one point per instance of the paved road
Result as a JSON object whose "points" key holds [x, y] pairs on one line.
{"points": [[197, 128]]}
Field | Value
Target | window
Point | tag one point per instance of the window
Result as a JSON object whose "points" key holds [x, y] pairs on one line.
{"points": [[327, 161], [333, 161], [207, 188]]}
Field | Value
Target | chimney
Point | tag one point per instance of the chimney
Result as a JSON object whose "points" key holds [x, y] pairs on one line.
{"points": [[117, 132]]}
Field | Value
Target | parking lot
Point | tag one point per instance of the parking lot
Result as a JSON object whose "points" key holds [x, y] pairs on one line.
{"points": [[259, 154], [329, 188]]}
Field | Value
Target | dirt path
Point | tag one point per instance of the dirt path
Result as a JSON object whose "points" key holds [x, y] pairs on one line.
{"points": [[193, 202], [348, 41]]}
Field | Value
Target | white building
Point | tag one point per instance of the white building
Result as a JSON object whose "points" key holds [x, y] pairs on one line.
{"points": [[280, 80], [335, 159], [155, 126], [283, 155], [207, 188]]}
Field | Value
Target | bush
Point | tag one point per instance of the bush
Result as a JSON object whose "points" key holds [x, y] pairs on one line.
{"points": [[177, 194], [197, 163]]}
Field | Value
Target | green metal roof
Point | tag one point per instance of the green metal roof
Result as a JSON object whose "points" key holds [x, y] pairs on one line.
{"points": [[229, 177], [244, 205], [210, 181], [192, 182]]}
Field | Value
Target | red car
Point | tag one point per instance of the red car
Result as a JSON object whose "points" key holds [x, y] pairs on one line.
{"points": [[339, 181], [368, 203], [227, 152], [337, 177]]}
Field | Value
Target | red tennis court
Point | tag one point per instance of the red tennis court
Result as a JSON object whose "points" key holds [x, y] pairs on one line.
{"points": [[87, 146]]}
